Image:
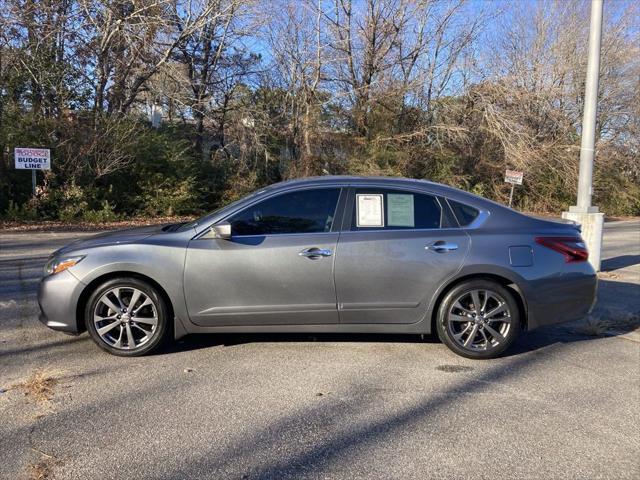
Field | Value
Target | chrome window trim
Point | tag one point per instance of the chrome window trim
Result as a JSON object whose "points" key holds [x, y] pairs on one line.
{"points": [[406, 230], [279, 235]]}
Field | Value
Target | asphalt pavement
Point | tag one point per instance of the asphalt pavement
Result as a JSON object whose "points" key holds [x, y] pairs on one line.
{"points": [[564, 404]]}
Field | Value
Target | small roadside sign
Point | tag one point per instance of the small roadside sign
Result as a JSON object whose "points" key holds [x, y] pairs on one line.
{"points": [[513, 176], [32, 158]]}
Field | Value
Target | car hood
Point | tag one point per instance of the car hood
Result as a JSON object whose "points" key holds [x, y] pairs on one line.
{"points": [[131, 235]]}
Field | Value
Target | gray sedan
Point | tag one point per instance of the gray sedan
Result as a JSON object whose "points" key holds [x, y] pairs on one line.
{"points": [[328, 254]]}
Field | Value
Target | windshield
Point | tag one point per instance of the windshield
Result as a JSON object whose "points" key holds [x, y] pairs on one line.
{"points": [[207, 218]]}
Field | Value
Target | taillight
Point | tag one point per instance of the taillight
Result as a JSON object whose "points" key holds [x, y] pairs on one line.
{"points": [[573, 248]]}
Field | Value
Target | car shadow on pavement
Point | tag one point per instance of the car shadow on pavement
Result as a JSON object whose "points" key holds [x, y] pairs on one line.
{"points": [[198, 341]]}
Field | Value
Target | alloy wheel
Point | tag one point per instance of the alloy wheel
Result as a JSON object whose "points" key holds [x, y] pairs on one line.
{"points": [[125, 318], [479, 320]]}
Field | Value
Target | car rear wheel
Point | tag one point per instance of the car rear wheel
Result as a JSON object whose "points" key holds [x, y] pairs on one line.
{"points": [[478, 319], [126, 317]]}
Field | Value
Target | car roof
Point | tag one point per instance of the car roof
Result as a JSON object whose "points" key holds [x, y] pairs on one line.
{"points": [[432, 187], [498, 212]]}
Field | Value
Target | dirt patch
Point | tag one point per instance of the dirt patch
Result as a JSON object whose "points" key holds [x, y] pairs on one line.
{"points": [[54, 226], [41, 470], [40, 386], [608, 275]]}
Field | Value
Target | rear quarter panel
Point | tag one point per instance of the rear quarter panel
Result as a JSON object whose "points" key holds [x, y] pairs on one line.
{"points": [[554, 291]]}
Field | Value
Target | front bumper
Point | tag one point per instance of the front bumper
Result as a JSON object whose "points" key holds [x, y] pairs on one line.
{"points": [[58, 297]]}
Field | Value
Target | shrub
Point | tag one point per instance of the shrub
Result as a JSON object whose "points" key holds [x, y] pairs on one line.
{"points": [[105, 214], [16, 212]]}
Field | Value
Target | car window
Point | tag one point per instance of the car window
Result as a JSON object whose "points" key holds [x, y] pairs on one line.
{"points": [[385, 209], [303, 211], [464, 213], [206, 218]]}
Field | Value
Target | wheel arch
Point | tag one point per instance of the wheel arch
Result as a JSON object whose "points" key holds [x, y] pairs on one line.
{"points": [[509, 284], [91, 286]]}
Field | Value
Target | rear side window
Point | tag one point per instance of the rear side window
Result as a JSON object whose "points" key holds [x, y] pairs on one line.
{"points": [[384, 209], [464, 213], [304, 211]]}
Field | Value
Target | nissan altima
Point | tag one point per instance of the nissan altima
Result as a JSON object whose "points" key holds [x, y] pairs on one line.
{"points": [[327, 254]]}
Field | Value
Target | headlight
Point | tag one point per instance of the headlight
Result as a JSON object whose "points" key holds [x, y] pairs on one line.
{"points": [[60, 264]]}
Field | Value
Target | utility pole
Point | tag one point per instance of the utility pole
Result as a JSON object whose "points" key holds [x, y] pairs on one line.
{"points": [[584, 213]]}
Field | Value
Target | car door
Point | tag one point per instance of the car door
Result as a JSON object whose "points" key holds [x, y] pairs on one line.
{"points": [[277, 267], [398, 246]]}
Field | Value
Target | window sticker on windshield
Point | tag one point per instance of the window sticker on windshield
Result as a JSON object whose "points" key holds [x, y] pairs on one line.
{"points": [[400, 210], [369, 210]]}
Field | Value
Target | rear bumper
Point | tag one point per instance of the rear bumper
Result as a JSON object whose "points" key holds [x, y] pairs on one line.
{"points": [[58, 297], [563, 298]]}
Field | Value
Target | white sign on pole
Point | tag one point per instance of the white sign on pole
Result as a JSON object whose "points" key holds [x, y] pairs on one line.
{"points": [[513, 176], [32, 158]]}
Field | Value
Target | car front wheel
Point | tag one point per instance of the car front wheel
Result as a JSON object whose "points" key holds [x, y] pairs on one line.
{"points": [[478, 319], [126, 317]]}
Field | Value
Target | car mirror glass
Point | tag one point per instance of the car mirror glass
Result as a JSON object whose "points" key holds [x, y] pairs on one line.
{"points": [[220, 230]]}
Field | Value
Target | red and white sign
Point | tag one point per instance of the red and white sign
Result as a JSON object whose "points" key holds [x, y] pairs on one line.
{"points": [[32, 158], [513, 176]]}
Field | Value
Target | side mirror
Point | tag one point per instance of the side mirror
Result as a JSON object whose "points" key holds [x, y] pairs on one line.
{"points": [[220, 230]]}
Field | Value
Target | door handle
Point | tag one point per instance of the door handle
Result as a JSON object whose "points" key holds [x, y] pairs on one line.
{"points": [[315, 253], [442, 247]]}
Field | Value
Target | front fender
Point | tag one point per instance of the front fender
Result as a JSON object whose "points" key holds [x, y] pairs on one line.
{"points": [[164, 265]]}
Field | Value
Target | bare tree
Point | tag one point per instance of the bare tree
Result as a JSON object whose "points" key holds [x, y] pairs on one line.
{"points": [[298, 45], [132, 40], [203, 51]]}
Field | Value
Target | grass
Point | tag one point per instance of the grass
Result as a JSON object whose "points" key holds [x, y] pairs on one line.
{"points": [[609, 323]]}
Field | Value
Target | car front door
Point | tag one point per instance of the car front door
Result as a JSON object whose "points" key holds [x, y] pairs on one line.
{"points": [[398, 247], [277, 267]]}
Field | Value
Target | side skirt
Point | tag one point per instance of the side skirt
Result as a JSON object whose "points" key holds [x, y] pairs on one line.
{"points": [[421, 327]]}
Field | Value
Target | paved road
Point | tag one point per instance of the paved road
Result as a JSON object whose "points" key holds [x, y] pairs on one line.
{"points": [[562, 405]]}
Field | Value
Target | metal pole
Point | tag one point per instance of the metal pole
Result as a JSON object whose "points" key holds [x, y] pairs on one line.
{"points": [[587, 216], [585, 189], [513, 185], [33, 182]]}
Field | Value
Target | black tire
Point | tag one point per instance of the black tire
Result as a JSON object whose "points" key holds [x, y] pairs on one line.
{"points": [[157, 310], [455, 333]]}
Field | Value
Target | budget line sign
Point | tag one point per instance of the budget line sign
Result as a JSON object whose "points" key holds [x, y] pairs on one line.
{"points": [[32, 158]]}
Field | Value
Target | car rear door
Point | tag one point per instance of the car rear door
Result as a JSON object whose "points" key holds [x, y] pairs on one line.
{"points": [[277, 268], [397, 247]]}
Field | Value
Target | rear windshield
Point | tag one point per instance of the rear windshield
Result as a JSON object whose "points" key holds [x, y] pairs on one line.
{"points": [[464, 213]]}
